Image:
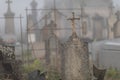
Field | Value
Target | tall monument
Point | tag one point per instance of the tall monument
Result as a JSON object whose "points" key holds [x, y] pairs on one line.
{"points": [[34, 11], [34, 18], [9, 20]]}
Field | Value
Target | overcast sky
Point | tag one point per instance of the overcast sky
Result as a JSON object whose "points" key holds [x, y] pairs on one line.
{"points": [[18, 6]]}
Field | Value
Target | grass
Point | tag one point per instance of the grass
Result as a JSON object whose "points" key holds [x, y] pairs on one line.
{"points": [[112, 74]]}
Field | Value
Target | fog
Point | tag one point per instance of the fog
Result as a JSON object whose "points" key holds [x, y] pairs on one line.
{"points": [[19, 6]]}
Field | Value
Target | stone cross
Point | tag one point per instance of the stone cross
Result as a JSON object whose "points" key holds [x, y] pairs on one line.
{"points": [[73, 22], [111, 7], [8, 2]]}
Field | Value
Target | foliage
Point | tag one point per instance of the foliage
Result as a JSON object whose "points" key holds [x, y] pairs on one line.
{"points": [[113, 74], [36, 65], [53, 75]]}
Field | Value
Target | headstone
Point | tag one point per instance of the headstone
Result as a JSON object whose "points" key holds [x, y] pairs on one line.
{"points": [[10, 67], [117, 26], [98, 27], [53, 49], [111, 21], [76, 59], [48, 29]]}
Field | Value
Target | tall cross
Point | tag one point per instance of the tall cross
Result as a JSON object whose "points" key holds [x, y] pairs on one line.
{"points": [[8, 2], [73, 22], [111, 7]]}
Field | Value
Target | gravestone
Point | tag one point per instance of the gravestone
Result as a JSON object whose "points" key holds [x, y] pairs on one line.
{"points": [[8, 64], [98, 27], [111, 21], [53, 49], [76, 57], [117, 26]]}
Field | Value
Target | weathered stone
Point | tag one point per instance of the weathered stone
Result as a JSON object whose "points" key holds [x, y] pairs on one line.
{"points": [[117, 26], [98, 27], [10, 67], [53, 49], [99, 73], [76, 59], [111, 21]]}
